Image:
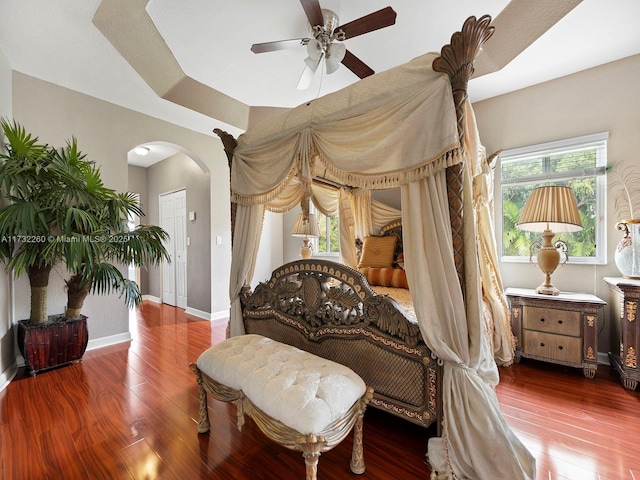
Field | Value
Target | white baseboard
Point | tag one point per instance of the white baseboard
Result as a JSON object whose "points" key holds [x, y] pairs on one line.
{"points": [[7, 375], [107, 341], [151, 298], [197, 313], [220, 318], [603, 358]]}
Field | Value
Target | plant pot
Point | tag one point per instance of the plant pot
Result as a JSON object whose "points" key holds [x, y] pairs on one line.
{"points": [[54, 343], [627, 256]]}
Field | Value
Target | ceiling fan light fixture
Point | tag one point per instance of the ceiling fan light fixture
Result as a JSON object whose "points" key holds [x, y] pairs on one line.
{"points": [[335, 55], [314, 49], [141, 150], [313, 63]]}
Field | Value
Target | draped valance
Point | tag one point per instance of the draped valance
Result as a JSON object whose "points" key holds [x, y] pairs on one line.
{"points": [[382, 132]]}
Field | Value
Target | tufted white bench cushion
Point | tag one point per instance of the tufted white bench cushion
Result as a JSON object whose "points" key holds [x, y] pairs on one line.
{"points": [[302, 390]]}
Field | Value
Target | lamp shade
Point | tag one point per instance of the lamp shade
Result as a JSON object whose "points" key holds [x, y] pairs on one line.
{"points": [[306, 227], [550, 208]]}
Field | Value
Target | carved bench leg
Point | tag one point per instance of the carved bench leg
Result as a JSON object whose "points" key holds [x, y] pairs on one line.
{"points": [[239, 403], [203, 422], [312, 446], [357, 456]]}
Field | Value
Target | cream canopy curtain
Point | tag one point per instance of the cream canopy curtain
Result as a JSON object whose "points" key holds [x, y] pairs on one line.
{"points": [[361, 205], [382, 214], [493, 290], [394, 129], [243, 259], [476, 442]]}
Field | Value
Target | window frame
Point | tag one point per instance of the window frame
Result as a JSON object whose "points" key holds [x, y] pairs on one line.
{"points": [[315, 241], [597, 140]]}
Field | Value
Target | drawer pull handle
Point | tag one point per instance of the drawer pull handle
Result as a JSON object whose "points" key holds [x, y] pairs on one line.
{"points": [[542, 344], [542, 319], [560, 347], [560, 322]]}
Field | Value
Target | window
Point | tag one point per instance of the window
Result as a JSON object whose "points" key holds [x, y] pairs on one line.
{"points": [[329, 241], [579, 163]]}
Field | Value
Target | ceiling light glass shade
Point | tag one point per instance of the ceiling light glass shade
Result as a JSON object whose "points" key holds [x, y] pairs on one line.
{"points": [[314, 49], [313, 63], [141, 150], [335, 55], [315, 52]]}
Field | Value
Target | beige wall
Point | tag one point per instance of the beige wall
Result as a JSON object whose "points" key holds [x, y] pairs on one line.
{"points": [[106, 132], [601, 99]]}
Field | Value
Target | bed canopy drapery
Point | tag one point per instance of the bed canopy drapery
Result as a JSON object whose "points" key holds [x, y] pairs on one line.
{"points": [[401, 128]]}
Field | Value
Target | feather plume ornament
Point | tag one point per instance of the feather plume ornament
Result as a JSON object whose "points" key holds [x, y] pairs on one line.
{"points": [[624, 184]]}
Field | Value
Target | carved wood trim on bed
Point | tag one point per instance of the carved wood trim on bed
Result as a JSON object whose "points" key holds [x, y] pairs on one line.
{"points": [[328, 309]]}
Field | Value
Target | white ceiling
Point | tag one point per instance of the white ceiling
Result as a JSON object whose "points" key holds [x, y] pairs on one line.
{"points": [[56, 41]]}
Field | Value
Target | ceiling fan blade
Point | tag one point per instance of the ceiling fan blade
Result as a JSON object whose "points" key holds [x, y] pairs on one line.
{"points": [[311, 65], [517, 26], [374, 21], [356, 65], [278, 45], [313, 11]]}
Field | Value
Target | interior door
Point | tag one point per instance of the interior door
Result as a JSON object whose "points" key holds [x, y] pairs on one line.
{"points": [[180, 245], [173, 219]]}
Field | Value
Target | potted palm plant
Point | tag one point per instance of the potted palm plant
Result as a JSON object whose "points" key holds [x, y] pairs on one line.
{"points": [[59, 212]]}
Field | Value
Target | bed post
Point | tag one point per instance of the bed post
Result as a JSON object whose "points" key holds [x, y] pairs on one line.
{"points": [[456, 60], [229, 143]]}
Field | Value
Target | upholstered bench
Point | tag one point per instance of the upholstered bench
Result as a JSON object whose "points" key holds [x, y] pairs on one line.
{"points": [[299, 400]]}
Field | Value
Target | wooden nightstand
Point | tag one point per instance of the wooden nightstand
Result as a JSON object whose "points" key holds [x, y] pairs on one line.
{"points": [[556, 328], [625, 296]]}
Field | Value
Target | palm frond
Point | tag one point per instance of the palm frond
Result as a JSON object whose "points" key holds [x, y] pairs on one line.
{"points": [[624, 181], [106, 279]]}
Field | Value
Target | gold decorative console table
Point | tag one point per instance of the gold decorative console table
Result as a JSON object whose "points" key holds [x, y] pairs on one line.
{"points": [[625, 295]]}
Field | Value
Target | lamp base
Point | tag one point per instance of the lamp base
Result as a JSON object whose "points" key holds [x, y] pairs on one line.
{"points": [[545, 289], [548, 261], [305, 250]]}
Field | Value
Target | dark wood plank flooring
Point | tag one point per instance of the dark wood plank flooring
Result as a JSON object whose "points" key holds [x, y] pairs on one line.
{"points": [[129, 412]]}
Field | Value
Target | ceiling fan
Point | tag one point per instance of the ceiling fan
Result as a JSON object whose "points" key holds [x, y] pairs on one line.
{"points": [[326, 40]]}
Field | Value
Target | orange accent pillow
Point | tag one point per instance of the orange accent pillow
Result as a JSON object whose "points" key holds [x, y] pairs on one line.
{"points": [[386, 277], [378, 251]]}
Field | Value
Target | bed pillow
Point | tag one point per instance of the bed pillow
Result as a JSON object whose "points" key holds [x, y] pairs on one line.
{"points": [[386, 277], [378, 251]]}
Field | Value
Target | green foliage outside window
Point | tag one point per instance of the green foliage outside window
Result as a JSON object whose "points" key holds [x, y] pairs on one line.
{"points": [[329, 240], [578, 169]]}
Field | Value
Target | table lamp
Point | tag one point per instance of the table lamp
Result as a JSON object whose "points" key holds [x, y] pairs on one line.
{"points": [[550, 209], [306, 228]]}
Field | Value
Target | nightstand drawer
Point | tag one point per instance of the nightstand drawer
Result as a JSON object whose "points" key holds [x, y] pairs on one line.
{"points": [[556, 347], [562, 322]]}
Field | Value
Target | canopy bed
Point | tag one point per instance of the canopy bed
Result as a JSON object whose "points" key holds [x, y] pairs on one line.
{"points": [[412, 128]]}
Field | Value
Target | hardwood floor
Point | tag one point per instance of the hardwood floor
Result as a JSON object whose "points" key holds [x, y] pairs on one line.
{"points": [[129, 412]]}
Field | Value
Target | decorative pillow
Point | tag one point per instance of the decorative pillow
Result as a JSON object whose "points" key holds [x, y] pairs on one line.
{"points": [[386, 277], [378, 251], [399, 263]]}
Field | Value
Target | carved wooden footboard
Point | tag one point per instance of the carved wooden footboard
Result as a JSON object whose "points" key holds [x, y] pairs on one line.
{"points": [[328, 309]]}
